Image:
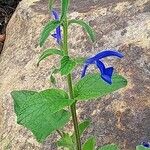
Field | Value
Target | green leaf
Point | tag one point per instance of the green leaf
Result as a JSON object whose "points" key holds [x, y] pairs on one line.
{"points": [[141, 147], [92, 86], [49, 27], [51, 100], [80, 60], [43, 126], [49, 52], [50, 4], [64, 8], [88, 29], [20, 97], [55, 71], [41, 112], [89, 144], [52, 78], [82, 127], [67, 65], [109, 147], [66, 141]]}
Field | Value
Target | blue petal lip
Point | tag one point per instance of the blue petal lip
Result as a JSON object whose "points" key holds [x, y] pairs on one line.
{"points": [[107, 53], [106, 73], [109, 71]]}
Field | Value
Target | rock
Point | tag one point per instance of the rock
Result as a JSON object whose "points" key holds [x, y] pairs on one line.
{"points": [[122, 117], [1, 46]]}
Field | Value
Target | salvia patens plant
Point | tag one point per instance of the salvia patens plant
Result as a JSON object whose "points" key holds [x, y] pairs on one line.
{"points": [[48, 111]]}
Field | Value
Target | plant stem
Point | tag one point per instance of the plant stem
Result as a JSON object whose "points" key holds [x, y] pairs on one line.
{"points": [[71, 95], [59, 132]]}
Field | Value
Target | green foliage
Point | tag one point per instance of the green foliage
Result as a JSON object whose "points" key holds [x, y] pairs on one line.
{"points": [[89, 144], [85, 26], [64, 8], [52, 78], [51, 101], [66, 141], [80, 60], [41, 112], [82, 127], [49, 27], [92, 86], [44, 112], [50, 4], [141, 147], [109, 147], [67, 65], [49, 52]]}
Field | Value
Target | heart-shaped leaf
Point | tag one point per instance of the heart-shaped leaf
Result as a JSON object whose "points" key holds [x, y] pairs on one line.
{"points": [[92, 86], [41, 112]]}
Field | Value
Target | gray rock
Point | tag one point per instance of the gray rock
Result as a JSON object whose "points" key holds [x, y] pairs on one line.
{"points": [[122, 117]]}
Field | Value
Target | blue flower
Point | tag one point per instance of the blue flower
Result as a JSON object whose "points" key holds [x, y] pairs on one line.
{"points": [[57, 34], [146, 144], [106, 73]]}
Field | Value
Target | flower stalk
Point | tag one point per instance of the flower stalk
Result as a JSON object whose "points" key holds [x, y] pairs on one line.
{"points": [[70, 87]]}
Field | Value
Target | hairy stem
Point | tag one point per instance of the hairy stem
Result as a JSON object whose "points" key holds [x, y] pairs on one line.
{"points": [[69, 80]]}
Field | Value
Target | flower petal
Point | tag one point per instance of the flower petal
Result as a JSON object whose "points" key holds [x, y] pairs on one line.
{"points": [[146, 144], [109, 71], [55, 14], [90, 60], [58, 32], [100, 66], [107, 53], [54, 35], [106, 73], [107, 76], [84, 70], [57, 35]]}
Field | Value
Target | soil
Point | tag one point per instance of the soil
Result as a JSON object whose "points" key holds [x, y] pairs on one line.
{"points": [[7, 8]]}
